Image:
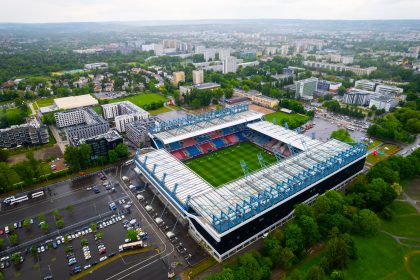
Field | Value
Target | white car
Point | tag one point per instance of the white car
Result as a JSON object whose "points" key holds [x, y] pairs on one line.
{"points": [[103, 258], [87, 266], [89, 230]]}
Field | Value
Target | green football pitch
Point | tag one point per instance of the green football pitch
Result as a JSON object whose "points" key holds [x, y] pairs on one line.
{"points": [[223, 166]]}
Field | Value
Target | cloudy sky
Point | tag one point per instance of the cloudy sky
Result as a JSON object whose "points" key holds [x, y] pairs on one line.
{"points": [[139, 10]]}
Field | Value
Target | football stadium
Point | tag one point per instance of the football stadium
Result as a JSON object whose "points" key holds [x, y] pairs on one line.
{"points": [[233, 177]]}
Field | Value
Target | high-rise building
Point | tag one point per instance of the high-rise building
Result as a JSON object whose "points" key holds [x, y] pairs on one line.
{"points": [[198, 76], [223, 53], [177, 77], [230, 64], [209, 54], [305, 88]]}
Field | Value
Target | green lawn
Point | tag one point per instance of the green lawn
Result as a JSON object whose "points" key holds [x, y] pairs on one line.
{"points": [[141, 99], [97, 109], [223, 166], [159, 111], [43, 102], [374, 144], [293, 120], [386, 149], [14, 116]]}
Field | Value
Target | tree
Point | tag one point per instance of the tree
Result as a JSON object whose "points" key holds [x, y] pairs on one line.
{"points": [[339, 251], [294, 239], [315, 273], [26, 223], [132, 235], [69, 208], [45, 227], [342, 135], [41, 217], [309, 230], [84, 242], [33, 251], [13, 238], [366, 222], [93, 227], [4, 155], [1, 242], [15, 258], [59, 223], [122, 150], [56, 214], [112, 155]]}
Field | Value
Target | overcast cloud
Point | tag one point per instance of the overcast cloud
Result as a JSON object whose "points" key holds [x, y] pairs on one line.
{"points": [[139, 10]]}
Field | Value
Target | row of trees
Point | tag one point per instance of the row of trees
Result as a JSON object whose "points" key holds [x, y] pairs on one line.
{"points": [[201, 98], [80, 158], [351, 111]]}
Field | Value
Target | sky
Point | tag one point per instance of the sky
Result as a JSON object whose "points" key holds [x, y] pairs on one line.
{"points": [[41, 11]]}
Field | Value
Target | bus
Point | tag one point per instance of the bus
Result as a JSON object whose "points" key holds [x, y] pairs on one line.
{"points": [[19, 199], [131, 246], [131, 161], [37, 194]]}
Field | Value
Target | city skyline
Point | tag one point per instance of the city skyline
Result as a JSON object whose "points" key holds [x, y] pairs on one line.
{"points": [[49, 11]]}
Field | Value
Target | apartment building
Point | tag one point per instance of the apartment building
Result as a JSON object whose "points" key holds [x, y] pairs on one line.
{"points": [[33, 132], [338, 67], [123, 113]]}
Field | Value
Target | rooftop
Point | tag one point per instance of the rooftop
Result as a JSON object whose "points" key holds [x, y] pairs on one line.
{"points": [[72, 102]]}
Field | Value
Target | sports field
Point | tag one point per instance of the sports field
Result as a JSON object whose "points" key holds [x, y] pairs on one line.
{"points": [[223, 166]]}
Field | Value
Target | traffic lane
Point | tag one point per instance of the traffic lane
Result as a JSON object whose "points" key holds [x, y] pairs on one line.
{"points": [[156, 270], [122, 266]]}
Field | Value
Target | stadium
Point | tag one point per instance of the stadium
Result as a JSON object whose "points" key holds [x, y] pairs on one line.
{"points": [[234, 177]]}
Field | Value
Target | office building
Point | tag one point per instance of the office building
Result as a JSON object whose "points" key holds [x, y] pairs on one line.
{"points": [[198, 77], [391, 90], [101, 144], [383, 102], [230, 65], [33, 132], [123, 113], [365, 85], [177, 77], [357, 97], [305, 88], [340, 68], [329, 86]]}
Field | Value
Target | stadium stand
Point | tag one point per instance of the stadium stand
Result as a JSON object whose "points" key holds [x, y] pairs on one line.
{"points": [[193, 151], [218, 143]]}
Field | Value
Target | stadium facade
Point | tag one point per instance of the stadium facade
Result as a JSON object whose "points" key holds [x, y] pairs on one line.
{"points": [[228, 218]]}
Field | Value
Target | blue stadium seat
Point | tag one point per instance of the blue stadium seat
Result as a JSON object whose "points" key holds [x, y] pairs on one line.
{"points": [[175, 146], [193, 151], [219, 143]]}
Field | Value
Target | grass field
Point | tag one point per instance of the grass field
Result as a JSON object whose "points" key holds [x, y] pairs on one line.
{"points": [[374, 144], [293, 120], [141, 99], [223, 166], [386, 149], [42, 102], [97, 109]]}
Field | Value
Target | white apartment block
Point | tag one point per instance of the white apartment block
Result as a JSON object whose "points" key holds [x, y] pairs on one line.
{"points": [[365, 85], [392, 90], [223, 53], [69, 118], [209, 54], [337, 67], [198, 77], [230, 64], [383, 102], [123, 113]]}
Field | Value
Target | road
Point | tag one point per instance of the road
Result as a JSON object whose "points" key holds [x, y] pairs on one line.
{"points": [[405, 151]]}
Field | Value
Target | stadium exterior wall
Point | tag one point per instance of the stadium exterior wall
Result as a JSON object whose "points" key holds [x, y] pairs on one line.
{"points": [[250, 231]]}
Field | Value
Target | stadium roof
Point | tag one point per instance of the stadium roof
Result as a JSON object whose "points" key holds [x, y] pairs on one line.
{"points": [[284, 135], [280, 180], [206, 126]]}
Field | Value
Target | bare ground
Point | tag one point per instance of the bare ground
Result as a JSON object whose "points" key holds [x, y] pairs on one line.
{"points": [[53, 151]]}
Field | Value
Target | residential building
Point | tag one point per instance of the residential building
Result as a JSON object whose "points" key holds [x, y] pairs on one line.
{"points": [[391, 90], [230, 64], [305, 88], [198, 76], [338, 67], [156, 48], [284, 50], [224, 53], [123, 113], [209, 55], [33, 132], [95, 66], [101, 144], [137, 132], [81, 123], [177, 77], [383, 102], [357, 97], [365, 85]]}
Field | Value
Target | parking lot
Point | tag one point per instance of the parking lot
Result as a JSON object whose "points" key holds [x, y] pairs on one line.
{"points": [[45, 252]]}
